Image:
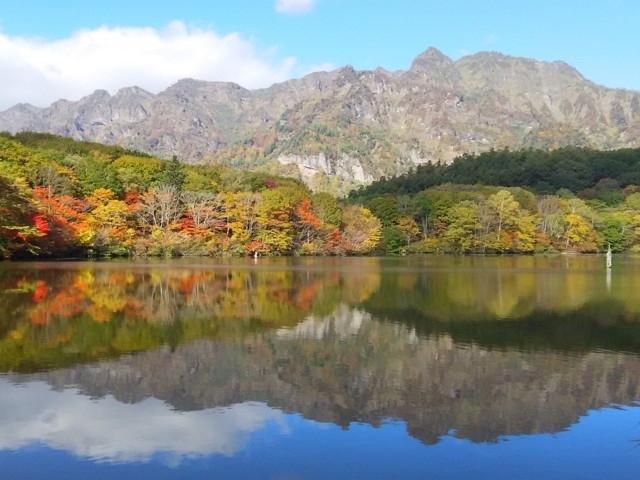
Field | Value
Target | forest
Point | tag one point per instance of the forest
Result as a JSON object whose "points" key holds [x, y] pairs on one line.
{"points": [[543, 172], [530, 201], [67, 199]]}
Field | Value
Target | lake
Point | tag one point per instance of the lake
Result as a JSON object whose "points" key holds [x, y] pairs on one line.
{"points": [[316, 368]]}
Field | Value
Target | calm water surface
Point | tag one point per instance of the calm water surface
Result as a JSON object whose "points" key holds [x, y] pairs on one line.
{"points": [[417, 367]]}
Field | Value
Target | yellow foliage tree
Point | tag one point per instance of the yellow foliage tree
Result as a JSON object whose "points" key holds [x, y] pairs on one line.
{"points": [[362, 230]]}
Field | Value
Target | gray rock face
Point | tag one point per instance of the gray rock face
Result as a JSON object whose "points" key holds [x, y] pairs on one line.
{"points": [[356, 125], [343, 167]]}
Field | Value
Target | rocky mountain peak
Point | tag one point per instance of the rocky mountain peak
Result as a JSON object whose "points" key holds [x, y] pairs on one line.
{"points": [[97, 96], [346, 76], [434, 66], [353, 125], [429, 59], [133, 92]]}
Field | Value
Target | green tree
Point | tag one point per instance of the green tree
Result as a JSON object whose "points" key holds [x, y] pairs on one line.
{"points": [[93, 173], [385, 208], [174, 174], [138, 173], [18, 161], [327, 208], [17, 230], [617, 229], [393, 240]]}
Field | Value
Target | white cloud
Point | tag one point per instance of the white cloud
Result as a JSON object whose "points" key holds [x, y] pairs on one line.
{"points": [[110, 431], [294, 6], [40, 72]]}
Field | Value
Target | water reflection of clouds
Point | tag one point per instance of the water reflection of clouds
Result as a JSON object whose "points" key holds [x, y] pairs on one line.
{"points": [[107, 430]]}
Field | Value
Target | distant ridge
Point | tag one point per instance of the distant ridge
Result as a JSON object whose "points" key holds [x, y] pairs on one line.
{"points": [[355, 126]]}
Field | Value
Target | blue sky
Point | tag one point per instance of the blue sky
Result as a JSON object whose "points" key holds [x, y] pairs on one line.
{"points": [[69, 48]]}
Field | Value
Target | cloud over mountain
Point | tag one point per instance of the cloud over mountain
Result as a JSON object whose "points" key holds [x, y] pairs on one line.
{"points": [[39, 72]]}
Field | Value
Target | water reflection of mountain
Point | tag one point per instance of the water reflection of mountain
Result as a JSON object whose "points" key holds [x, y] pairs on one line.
{"points": [[58, 314], [605, 325], [348, 367], [484, 346]]}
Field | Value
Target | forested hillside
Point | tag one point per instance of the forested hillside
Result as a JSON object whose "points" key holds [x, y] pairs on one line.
{"points": [[62, 198], [569, 199], [579, 170]]}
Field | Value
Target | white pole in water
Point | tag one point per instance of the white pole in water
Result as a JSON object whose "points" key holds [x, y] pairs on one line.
{"points": [[609, 257]]}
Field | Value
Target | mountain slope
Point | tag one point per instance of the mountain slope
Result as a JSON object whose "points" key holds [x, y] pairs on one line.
{"points": [[356, 126]]}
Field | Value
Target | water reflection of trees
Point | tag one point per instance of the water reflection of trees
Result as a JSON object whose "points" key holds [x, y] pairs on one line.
{"points": [[486, 348], [503, 287], [66, 313], [60, 313]]}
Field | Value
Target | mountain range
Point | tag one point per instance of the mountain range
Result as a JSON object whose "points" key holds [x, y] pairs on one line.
{"points": [[345, 127]]}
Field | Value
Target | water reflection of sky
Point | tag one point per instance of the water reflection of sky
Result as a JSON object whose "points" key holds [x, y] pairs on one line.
{"points": [[62, 434], [107, 430]]}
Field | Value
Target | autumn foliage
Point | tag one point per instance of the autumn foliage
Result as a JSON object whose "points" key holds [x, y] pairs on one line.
{"points": [[55, 205], [61, 198]]}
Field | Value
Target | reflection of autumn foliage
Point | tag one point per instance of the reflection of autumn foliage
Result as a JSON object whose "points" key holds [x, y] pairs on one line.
{"points": [[275, 297], [305, 295], [62, 304], [40, 292], [191, 285], [94, 312], [104, 298]]}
